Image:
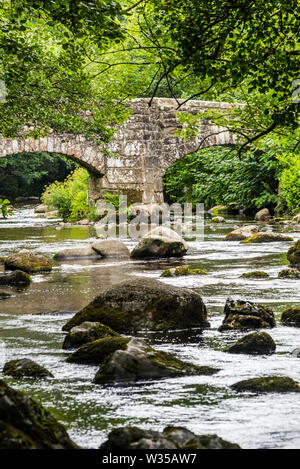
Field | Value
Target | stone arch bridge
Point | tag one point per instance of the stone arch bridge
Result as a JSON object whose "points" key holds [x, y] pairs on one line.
{"points": [[146, 146]]}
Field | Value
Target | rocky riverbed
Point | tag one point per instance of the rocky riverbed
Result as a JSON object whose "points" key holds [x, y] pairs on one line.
{"points": [[31, 322]]}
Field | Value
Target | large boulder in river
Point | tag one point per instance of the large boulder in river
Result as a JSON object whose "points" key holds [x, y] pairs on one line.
{"points": [[25, 424], [263, 215], [41, 209], [25, 368], [125, 359], [160, 242], [28, 261], [17, 277], [87, 332], [267, 238], [241, 233], [291, 316], [74, 253], [293, 254], [268, 384], [240, 314], [172, 437], [257, 343], [143, 303], [111, 248]]}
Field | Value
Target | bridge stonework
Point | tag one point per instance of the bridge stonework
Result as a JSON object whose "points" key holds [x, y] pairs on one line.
{"points": [[144, 147]]}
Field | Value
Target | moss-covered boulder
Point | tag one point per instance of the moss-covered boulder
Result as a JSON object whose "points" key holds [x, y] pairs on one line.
{"points": [[241, 233], [25, 424], [267, 238], [293, 254], [172, 437], [28, 261], [262, 215], [291, 272], [93, 353], [143, 303], [160, 242], [217, 220], [135, 360], [243, 315], [217, 209], [74, 253], [25, 368], [257, 343], [182, 271], [17, 277], [87, 332], [291, 316], [111, 248], [268, 384], [255, 274]]}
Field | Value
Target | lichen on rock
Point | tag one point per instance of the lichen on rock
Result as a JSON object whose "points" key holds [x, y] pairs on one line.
{"points": [[28, 261]]}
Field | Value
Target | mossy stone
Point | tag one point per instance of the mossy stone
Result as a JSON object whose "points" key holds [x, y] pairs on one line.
{"points": [[293, 254], [268, 384], [137, 360], [255, 274], [25, 424], [25, 368], [182, 271], [256, 343], [267, 238], [28, 261], [291, 316], [140, 304], [87, 332], [292, 273], [17, 277], [95, 352], [243, 315]]}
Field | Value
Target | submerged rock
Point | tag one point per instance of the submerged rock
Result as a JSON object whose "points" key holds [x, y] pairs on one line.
{"points": [[217, 220], [111, 248], [291, 316], [87, 332], [143, 303], [255, 274], [25, 368], [268, 384], [4, 295], [25, 424], [241, 314], [241, 233], [263, 215], [124, 359], [172, 437], [182, 271], [74, 253], [159, 243], [28, 261], [257, 343], [293, 254], [291, 272], [267, 238], [17, 277]]}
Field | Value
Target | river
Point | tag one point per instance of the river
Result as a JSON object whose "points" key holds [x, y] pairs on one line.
{"points": [[31, 322]]}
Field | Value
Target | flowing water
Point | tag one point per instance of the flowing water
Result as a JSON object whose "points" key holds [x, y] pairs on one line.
{"points": [[31, 322]]}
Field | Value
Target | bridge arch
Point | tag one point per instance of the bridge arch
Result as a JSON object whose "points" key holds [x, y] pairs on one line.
{"points": [[144, 147]]}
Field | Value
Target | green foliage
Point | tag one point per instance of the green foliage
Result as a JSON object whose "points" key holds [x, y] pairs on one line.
{"points": [[216, 176], [4, 208], [290, 181], [70, 196], [27, 174]]}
